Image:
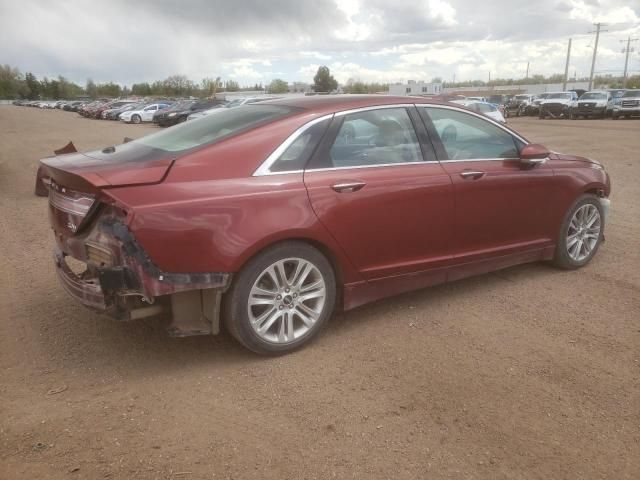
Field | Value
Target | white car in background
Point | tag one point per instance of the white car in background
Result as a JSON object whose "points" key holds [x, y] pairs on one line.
{"points": [[236, 102], [488, 109], [144, 114]]}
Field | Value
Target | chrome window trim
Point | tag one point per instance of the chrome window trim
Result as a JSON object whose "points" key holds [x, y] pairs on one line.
{"points": [[265, 167], [374, 107]]}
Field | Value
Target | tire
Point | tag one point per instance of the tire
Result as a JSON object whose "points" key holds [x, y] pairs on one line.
{"points": [[614, 116], [259, 326], [136, 119], [577, 243], [541, 116], [182, 119]]}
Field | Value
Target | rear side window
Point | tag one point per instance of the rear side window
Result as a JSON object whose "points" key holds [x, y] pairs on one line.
{"points": [[210, 128], [296, 156], [466, 137]]}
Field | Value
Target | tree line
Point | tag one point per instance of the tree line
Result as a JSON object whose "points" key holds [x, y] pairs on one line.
{"points": [[13, 85]]}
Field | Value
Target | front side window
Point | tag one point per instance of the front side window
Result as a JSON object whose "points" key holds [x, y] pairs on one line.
{"points": [[376, 137], [465, 136]]}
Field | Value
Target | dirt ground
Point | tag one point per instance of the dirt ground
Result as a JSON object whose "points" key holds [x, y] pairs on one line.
{"points": [[528, 373]]}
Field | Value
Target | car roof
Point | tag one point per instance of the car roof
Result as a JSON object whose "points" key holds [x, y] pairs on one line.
{"points": [[336, 103]]}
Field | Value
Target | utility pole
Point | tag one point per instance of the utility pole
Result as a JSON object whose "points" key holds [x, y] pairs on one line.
{"points": [[526, 75], [595, 51], [626, 59], [566, 67]]}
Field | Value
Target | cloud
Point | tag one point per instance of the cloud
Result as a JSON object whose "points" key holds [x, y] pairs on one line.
{"points": [[249, 40]]}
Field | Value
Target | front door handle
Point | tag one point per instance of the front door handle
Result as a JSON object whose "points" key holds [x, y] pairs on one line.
{"points": [[346, 187], [472, 174]]}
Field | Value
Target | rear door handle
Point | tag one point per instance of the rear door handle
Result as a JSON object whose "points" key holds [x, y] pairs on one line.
{"points": [[348, 186], [472, 174]]}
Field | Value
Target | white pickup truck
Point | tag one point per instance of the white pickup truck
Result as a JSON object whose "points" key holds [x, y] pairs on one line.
{"points": [[596, 103], [557, 104]]}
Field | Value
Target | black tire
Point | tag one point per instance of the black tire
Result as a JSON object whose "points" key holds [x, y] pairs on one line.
{"points": [[614, 116], [235, 302], [136, 119], [182, 119], [541, 115], [561, 258]]}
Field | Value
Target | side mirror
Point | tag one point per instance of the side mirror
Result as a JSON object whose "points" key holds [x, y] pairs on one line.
{"points": [[534, 154]]}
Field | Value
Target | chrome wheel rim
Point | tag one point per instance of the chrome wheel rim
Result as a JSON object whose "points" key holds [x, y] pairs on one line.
{"points": [[286, 300], [583, 233]]}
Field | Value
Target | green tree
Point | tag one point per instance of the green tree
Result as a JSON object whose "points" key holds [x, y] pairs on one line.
{"points": [[323, 81], [278, 86], [231, 86], [91, 88], [12, 84], [210, 86], [141, 89], [33, 86]]}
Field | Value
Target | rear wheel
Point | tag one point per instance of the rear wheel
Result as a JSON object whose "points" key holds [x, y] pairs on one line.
{"points": [[581, 233], [136, 119], [281, 299]]}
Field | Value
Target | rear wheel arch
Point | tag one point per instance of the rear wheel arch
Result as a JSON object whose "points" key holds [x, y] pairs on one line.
{"points": [[318, 245]]}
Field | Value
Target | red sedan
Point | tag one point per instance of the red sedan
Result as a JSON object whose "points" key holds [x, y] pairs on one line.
{"points": [[269, 216]]}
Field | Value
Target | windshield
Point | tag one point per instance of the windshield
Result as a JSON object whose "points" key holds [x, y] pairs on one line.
{"points": [[213, 127], [631, 93], [559, 95], [522, 97], [594, 96]]}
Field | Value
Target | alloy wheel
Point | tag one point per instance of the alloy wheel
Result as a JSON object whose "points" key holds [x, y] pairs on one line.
{"points": [[583, 233], [286, 300]]}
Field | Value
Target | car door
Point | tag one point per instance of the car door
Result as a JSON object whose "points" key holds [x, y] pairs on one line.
{"points": [[381, 193], [147, 113], [502, 206]]}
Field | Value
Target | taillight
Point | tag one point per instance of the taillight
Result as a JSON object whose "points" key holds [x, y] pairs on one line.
{"points": [[71, 202]]}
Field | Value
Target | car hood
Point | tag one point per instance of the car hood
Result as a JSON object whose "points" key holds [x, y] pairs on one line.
{"points": [[557, 100], [127, 164], [572, 158]]}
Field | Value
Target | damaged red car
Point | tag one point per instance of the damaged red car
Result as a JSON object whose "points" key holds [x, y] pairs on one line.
{"points": [[269, 216]]}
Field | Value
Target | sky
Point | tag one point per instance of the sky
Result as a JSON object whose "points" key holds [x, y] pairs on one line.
{"points": [[255, 41]]}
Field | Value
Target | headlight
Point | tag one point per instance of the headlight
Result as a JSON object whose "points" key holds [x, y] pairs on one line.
{"points": [[173, 114]]}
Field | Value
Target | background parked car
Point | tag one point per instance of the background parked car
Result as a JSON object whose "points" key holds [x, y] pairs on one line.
{"points": [[182, 111], [488, 109], [114, 113], [557, 104], [145, 114], [596, 103], [629, 105], [236, 102]]}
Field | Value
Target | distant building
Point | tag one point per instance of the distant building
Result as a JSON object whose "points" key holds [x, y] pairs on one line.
{"points": [[415, 88]]}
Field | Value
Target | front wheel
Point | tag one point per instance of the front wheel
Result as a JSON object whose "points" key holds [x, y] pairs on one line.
{"points": [[581, 233], [136, 119], [281, 299]]}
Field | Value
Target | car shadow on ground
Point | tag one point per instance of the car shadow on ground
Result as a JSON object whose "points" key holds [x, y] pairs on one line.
{"points": [[75, 338]]}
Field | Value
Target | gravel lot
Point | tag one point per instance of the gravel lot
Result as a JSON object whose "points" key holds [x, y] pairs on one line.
{"points": [[528, 373]]}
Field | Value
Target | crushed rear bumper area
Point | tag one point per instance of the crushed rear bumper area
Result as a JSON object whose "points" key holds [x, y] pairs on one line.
{"points": [[113, 275]]}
